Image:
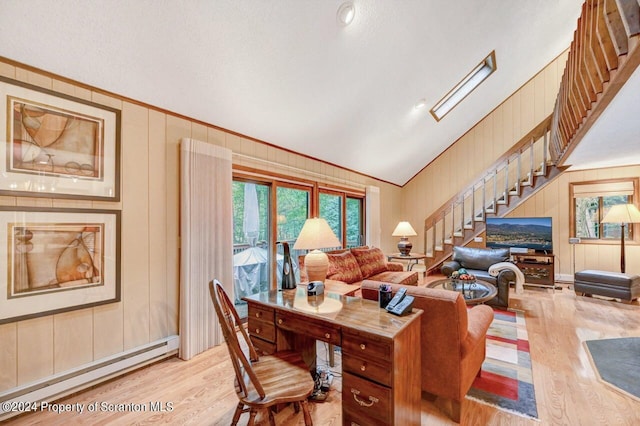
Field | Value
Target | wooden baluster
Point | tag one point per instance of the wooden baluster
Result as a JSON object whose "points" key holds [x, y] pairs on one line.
{"points": [[616, 27]]}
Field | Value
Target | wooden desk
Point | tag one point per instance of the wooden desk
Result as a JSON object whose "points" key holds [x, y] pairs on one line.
{"points": [[338, 287], [380, 352]]}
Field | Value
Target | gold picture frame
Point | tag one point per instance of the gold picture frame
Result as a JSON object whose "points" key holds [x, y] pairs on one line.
{"points": [[57, 260], [58, 146]]}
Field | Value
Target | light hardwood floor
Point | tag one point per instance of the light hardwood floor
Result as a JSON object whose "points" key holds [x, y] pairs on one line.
{"points": [[567, 390]]}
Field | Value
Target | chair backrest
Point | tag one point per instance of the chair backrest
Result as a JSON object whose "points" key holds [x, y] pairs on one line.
{"points": [[229, 319], [443, 329]]}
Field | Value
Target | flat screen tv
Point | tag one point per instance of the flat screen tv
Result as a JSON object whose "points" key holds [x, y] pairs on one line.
{"points": [[520, 232]]}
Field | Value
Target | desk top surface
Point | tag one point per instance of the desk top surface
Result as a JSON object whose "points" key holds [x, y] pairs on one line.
{"points": [[344, 311]]}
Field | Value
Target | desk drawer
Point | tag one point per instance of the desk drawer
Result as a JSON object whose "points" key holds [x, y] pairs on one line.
{"points": [[262, 329], [260, 313], [363, 345], [365, 402], [352, 419], [371, 369], [306, 326], [262, 346]]}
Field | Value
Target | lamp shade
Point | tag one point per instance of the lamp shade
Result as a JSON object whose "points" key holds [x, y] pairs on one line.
{"points": [[404, 229], [316, 234], [622, 213]]}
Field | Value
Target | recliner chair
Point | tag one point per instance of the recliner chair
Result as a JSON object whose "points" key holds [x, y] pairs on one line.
{"points": [[477, 261]]}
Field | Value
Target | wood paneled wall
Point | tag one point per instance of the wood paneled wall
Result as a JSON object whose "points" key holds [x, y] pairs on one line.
{"points": [[476, 150], [553, 200], [37, 348]]}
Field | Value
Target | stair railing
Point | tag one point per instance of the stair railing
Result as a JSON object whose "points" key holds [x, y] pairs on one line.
{"points": [[604, 53], [462, 217]]}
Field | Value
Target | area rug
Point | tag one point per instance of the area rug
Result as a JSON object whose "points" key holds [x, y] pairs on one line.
{"points": [[617, 363], [506, 381]]}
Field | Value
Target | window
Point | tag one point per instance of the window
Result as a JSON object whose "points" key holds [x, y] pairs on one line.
{"points": [[251, 236], [271, 209], [331, 210], [345, 215], [468, 84], [293, 206], [355, 222], [592, 201]]}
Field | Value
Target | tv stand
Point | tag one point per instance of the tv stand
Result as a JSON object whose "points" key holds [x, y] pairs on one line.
{"points": [[538, 268]]}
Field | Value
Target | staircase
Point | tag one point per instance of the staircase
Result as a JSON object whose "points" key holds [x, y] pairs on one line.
{"points": [[506, 184], [604, 53]]}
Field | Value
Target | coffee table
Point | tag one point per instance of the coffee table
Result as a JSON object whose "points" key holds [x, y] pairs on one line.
{"points": [[473, 292]]}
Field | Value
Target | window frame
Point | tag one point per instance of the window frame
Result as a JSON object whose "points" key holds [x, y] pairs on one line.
{"points": [[634, 229], [275, 180]]}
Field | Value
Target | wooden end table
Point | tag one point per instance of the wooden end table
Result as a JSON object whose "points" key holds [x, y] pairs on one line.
{"points": [[412, 258]]}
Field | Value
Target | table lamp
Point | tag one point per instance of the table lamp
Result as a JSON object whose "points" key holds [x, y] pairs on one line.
{"points": [[404, 230], [316, 234], [622, 213]]}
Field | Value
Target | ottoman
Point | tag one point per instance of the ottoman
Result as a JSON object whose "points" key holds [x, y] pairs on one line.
{"points": [[609, 284]]}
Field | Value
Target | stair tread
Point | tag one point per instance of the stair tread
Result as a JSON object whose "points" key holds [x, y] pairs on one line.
{"points": [[442, 250]]}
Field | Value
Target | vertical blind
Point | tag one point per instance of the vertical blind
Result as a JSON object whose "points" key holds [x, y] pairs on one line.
{"points": [[206, 230]]}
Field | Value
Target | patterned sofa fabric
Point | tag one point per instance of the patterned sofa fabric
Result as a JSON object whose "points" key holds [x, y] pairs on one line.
{"points": [[344, 267], [352, 266], [371, 261]]}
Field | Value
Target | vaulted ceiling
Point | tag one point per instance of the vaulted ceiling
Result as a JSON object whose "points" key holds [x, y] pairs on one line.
{"points": [[286, 72]]}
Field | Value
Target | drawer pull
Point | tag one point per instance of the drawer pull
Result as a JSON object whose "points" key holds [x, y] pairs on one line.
{"points": [[280, 321], [258, 314], [372, 399], [257, 331], [327, 335], [363, 346], [363, 367]]}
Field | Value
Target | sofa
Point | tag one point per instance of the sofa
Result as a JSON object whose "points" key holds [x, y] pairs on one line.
{"points": [[352, 266], [452, 340], [477, 261]]}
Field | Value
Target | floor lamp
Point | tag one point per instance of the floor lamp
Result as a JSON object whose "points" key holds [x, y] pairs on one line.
{"points": [[622, 214]]}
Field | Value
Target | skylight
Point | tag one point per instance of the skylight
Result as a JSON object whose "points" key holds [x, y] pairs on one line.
{"points": [[466, 86]]}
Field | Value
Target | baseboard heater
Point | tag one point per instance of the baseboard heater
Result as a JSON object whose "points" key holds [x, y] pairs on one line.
{"points": [[77, 379]]}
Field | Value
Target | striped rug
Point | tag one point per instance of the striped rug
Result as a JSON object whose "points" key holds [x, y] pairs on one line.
{"points": [[506, 381]]}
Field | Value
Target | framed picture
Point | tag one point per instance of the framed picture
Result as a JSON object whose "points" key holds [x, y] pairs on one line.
{"points": [[54, 145], [57, 260]]}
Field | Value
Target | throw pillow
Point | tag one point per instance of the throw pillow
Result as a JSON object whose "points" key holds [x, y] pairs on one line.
{"points": [[343, 267], [371, 261]]}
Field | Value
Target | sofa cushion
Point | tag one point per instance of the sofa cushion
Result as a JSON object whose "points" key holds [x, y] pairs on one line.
{"points": [[479, 258], [371, 261], [343, 267], [395, 277]]}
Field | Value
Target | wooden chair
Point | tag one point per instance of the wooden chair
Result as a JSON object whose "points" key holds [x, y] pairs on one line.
{"points": [[261, 382]]}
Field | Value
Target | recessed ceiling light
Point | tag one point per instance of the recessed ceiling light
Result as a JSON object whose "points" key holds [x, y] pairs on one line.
{"points": [[346, 13], [479, 74], [420, 104]]}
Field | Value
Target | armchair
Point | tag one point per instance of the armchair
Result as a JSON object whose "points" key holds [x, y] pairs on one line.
{"points": [[452, 340], [478, 261]]}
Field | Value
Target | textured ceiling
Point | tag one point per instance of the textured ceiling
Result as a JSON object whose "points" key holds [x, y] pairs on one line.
{"points": [[284, 71]]}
